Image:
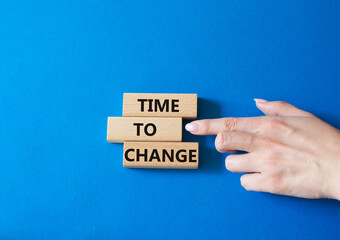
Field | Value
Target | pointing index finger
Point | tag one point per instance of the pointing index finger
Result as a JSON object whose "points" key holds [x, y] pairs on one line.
{"points": [[213, 126]]}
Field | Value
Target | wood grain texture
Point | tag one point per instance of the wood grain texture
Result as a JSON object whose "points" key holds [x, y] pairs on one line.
{"points": [[120, 129], [161, 155], [160, 105]]}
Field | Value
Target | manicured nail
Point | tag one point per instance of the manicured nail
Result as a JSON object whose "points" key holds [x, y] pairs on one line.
{"points": [[192, 127], [259, 100]]}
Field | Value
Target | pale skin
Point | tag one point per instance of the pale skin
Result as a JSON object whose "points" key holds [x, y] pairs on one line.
{"points": [[289, 151]]}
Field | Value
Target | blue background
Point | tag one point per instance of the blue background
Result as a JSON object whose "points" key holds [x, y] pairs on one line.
{"points": [[64, 66]]}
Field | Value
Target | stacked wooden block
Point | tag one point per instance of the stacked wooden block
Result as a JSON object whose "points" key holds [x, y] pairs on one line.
{"points": [[151, 129]]}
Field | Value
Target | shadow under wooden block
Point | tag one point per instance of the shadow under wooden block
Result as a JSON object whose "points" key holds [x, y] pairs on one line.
{"points": [[161, 155], [120, 129], [160, 105]]}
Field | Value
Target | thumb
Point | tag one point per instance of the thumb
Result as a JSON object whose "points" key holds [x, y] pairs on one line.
{"points": [[279, 108]]}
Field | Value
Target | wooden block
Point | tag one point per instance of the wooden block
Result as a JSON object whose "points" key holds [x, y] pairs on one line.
{"points": [[160, 105], [120, 129], [161, 155]]}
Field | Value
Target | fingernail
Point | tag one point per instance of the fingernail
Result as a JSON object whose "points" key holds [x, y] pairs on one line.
{"points": [[259, 100], [192, 127], [228, 162]]}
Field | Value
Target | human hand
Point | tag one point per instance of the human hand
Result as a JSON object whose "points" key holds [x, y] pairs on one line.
{"points": [[289, 151]]}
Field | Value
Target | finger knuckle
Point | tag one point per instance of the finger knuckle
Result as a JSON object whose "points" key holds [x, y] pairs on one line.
{"points": [[252, 139], [269, 142], [281, 103], [271, 162], [273, 183], [205, 126], [275, 123], [230, 123]]}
